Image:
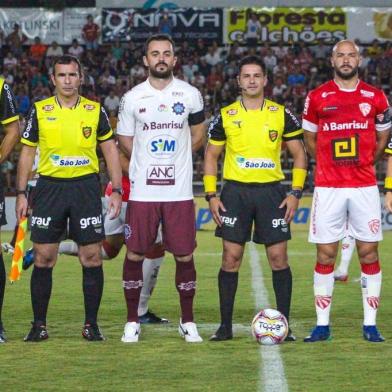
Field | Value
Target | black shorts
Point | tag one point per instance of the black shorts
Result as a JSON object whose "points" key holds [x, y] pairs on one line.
{"points": [[3, 219], [253, 203], [76, 204]]}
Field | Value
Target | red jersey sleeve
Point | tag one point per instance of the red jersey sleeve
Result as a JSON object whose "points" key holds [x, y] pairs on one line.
{"points": [[383, 113], [310, 118]]}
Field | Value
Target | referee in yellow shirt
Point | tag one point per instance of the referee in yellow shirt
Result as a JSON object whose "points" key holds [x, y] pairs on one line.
{"points": [[66, 128], [9, 119], [251, 131]]}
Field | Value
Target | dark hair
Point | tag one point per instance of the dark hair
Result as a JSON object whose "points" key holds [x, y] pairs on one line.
{"points": [[67, 59], [251, 60], [158, 37]]}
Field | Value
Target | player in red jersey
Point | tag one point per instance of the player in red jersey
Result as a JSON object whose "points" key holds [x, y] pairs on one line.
{"points": [[346, 123]]}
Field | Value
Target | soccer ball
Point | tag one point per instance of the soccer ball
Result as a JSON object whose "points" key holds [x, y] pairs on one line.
{"points": [[269, 327]]}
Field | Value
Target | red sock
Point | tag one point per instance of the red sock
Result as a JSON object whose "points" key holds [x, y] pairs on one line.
{"points": [[132, 283], [186, 287]]}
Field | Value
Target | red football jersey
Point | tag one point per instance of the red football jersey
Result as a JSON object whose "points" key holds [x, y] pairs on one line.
{"points": [[126, 187], [346, 122]]}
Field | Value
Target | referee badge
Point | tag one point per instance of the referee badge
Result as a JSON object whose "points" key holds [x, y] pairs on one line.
{"points": [[273, 135], [87, 131]]}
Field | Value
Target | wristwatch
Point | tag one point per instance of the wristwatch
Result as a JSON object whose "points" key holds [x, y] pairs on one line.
{"points": [[21, 192], [297, 193], [209, 196], [118, 190]]}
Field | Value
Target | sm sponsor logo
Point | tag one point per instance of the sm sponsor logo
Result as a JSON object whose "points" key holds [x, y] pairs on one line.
{"points": [[161, 175], [162, 147]]}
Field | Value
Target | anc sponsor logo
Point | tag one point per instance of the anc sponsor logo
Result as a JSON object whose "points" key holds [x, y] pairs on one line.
{"points": [[273, 135], [47, 108], [87, 131], [89, 107]]}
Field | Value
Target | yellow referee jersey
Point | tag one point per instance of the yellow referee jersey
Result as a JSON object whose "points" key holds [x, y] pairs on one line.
{"points": [[67, 137], [253, 140]]}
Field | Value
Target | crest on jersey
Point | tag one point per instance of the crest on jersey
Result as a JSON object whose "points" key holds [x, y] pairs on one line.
{"points": [[48, 108], [238, 123], [365, 108], [87, 131], [273, 135], [232, 112], [178, 108], [374, 225]]}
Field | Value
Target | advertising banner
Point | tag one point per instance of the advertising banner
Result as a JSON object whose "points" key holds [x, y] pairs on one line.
{"points": [[136, 24]]}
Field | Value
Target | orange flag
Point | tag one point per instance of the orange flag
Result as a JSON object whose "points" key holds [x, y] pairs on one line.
{"points": [[17, 258]]}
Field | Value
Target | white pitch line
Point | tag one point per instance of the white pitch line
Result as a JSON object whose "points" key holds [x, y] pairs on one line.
{"points": [[272, 375]]}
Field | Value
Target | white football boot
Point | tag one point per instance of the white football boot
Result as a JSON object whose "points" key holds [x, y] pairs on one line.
{"points": [[131, 332], [189, 332]]}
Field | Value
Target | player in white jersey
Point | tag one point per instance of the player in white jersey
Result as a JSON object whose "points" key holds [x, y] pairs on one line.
{"points": [[160, 122]]}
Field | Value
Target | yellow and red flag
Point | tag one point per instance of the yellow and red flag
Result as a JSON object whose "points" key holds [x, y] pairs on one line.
{"points": [[17, 258]]}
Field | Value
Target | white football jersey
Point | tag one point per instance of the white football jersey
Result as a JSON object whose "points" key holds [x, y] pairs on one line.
{"points": [[159, 121]]}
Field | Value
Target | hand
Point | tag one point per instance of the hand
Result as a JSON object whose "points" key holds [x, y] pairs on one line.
{"points": [[215, 205], [388, 201], [291, 204], [21, 207], [114, 205]]}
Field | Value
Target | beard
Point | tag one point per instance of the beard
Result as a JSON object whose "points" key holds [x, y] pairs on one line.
{"points": [[166, 74], [347, 75]]}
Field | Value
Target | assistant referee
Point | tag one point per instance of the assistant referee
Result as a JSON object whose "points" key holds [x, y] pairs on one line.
{"points": [[252, 130], [66, 128]]}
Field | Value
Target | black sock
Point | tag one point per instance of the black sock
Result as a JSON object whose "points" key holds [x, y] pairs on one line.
{"points": [[2, 286], [92, 290], [41, 289], [227, 282], [283, 282]]}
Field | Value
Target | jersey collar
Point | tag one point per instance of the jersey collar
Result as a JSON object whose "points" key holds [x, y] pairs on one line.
{"points": [[347, 90], [73, 107], [244, 107]]}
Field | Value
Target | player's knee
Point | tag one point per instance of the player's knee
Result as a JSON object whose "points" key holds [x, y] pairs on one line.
{"points": [[368, 256], [184, 259], [135, 257], [231, 261], [278, 261]]}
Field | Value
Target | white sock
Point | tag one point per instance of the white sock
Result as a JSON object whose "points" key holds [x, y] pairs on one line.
{"points": [[150, 275], [68, 248], [323, 289], [371, 288], [348, 246]]}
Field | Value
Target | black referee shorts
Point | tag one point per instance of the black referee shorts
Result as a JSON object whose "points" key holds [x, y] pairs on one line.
{"points": [[253, 204], [76, 204], [3, 219]]}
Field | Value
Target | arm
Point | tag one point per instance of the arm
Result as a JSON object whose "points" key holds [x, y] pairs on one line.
{"points": [[198, 133], [111, 155], [125, 144], [25, 165], [382, 139], [11, 137], [211, 157], [297, 150], [310, 143], [388, 185]]}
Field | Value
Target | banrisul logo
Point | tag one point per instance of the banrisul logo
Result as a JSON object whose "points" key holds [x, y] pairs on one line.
{"points": [[162, 147], [58, 160]]}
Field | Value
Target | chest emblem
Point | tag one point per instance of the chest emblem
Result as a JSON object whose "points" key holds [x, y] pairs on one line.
{"points": [[87, 131], [178, 108], [365, 108], [273, 135], [238, 123]]}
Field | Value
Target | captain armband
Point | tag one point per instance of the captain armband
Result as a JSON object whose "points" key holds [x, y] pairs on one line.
{"points": [[299, 176], [209, 184], [388, 184]]}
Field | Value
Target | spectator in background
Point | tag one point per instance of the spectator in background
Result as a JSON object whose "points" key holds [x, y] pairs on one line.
{"points": [[296, 76], [15, 40], [189, 69], [8, 77], [213, 56], [90, 34], [53, 51], [75, 49], [201, 48], [112, 102], [107, 77], [320, 50], [6, 170], [10, 61], [253, 30], [165, 25], [117, 50], [39, 77], [37, 52], [279, 91], [23, 101]]}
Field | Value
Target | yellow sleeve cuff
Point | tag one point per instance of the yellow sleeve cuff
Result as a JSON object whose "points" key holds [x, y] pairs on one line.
{"points": [[299, 176], [209, 183]]}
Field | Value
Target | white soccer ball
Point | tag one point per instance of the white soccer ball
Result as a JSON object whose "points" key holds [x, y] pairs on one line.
{"points": [[269, 327]]}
